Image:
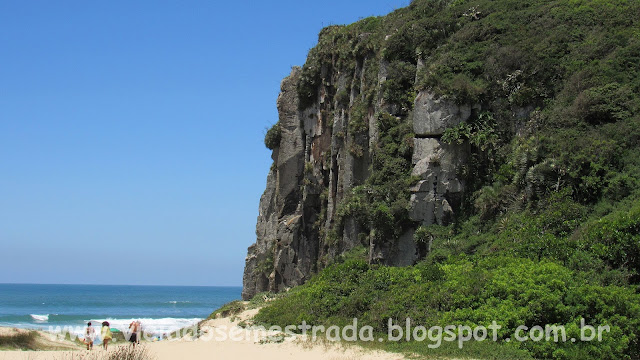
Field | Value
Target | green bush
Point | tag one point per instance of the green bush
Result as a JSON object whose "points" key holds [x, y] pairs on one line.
{"points": [[608, 103], [615, 239], [232, 308], [398, 88], [273, 136], [474, 291]]}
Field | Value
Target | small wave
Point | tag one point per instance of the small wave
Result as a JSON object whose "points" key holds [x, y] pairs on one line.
{"points": [[40, 318], [153, 326], [178, 302]]}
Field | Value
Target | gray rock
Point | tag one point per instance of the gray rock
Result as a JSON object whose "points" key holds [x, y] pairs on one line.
{"points": [[280, 216], [405, 252], [437, 164], [432, 116], [317, 166], [431, 153]]}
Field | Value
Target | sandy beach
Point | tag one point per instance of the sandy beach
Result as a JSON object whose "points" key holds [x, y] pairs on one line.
{"points": [[245, 345]]}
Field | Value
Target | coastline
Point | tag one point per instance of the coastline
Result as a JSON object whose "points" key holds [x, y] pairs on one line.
{"points": [[161, 309], [245, 344]]}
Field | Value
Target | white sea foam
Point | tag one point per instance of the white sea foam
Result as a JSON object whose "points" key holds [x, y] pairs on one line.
{"points": [[179, 302], [40, 318], [153, 326]]}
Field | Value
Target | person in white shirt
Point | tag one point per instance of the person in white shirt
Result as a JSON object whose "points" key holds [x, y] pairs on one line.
{"points": [[89, 335], [136, 331]]}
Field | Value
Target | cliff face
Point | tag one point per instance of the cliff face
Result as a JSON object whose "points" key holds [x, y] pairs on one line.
{"points": [[325, 150], [388, 128], [440, 112], [517, 123]]}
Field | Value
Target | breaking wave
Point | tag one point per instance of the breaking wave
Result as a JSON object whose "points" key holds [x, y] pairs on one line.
{"points": [[40, 318]]}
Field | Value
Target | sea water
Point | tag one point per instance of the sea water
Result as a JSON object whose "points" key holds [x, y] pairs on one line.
{"points": [[160, 309]]}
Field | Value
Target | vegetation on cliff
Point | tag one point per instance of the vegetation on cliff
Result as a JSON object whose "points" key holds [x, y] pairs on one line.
{"points": [[380, 205], [549, 231]]}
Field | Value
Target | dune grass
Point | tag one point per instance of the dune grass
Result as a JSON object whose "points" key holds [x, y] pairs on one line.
{"points": [[19, 341]]}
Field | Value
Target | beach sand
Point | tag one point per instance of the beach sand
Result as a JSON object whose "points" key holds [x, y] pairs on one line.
{"points": [[269, 346], [250, 347]]}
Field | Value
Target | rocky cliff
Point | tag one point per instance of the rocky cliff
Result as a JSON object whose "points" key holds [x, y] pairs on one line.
{"points": [[497, 139], [359, 159], [325, 150]]}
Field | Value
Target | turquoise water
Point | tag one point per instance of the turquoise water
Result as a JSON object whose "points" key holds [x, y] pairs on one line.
{"points": [[161, 309]]}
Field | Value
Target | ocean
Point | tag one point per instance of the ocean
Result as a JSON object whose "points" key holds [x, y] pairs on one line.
{"points": [[161, 309]]}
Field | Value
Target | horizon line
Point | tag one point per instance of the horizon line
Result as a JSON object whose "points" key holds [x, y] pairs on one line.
{"points": [[31, 283]]}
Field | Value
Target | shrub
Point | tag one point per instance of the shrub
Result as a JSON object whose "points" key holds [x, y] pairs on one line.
{"points": [[24, 340], [398, 88], [474, 291], [615, 239], [273, 136], [232, 308], [608, 103], [127, 352], [342, 98]]}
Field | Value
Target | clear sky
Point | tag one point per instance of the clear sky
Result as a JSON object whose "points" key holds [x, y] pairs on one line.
{"points": [[131, 132]]}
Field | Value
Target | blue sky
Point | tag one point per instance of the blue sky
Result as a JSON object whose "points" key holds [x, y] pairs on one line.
{"points": [[131, 133]]}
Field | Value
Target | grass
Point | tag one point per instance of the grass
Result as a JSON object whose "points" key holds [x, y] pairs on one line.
{"points": [[38, 341], [128, 353], [486, 350], [229, 309], [449, 350], [118, 353], [262, 299], [19, 341]]}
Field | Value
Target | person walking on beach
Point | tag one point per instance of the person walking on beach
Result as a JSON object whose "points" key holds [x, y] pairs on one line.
{"points": [[89, 335], [106, 335], [138, 330], [135, 328]]}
